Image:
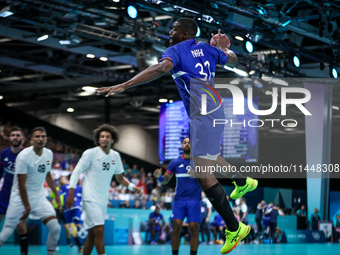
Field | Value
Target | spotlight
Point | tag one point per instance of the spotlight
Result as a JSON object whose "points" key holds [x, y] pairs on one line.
{"points": [[333, 73], [132, 11], [198, 32], [249, 46], [42, 38], [296, 61], [70, 109], [162, 100]]}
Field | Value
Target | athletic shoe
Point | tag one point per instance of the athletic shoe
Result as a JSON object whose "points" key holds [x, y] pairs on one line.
{"points": [[238, 192], [233, 238]]}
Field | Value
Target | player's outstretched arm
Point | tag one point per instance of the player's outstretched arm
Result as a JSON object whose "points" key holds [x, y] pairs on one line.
{"points": [[122, 180], [149, 74], [158, 174], [23, 195]]}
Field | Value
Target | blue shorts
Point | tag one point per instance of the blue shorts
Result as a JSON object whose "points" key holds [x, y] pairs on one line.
{"points": [[4, 202], [189, 209], [204, 137], [73, 215]]}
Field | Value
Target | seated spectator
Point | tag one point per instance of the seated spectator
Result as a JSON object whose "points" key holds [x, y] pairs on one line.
{"points": [[135, 179], [150, 183], [125, 165], [237, 213], [168, 198], [315, 218], [135, 170], [125, 204], [161, 205], [143, 205], [141, 184], [123, 195], [137, 204], [156, 222]]}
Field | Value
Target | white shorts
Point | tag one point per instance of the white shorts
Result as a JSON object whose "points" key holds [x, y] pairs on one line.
{"points": [[40, 209], [94, 214]]}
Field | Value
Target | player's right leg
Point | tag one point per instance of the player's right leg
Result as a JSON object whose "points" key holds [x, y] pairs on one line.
{"points": [[14, 212], [216, 195], [23, 239]]}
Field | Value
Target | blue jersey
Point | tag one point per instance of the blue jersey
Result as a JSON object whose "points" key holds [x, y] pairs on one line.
{"points": [[157, 218], [193, 73], [187, 188], [7, 167], [218, 220], [77, 195]]}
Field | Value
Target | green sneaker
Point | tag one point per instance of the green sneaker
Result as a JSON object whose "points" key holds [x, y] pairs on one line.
{"points": [[238, 192], [233, 238]]}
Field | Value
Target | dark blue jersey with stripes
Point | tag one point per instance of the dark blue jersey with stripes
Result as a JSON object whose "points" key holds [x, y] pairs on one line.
{"points": [[187, 188], [7, 168], [194, 71]]}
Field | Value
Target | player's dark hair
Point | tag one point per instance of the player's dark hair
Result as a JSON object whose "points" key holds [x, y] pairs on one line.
{"points": [[188, 25], [42, 129], [16, 128], [107, 128]]}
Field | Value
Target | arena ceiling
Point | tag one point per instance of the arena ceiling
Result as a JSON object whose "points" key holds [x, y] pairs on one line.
{"points": [[44, 47]]}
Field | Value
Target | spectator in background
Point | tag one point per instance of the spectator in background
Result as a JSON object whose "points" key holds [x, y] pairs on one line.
{"points": [[168, 198], [302, 211], [127, 172], [141, 184], [135, 170], [237, 213], [125, 204], [336, 230], [162, 205], [150, 183], [135, 179], [64, 164], [206, 208], [125, 165], [315, 219], [123, 195], [143, 205], [142, 171], [244, 211], [258, 217], [137, 204]]}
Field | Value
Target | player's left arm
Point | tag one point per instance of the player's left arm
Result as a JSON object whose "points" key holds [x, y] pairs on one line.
{"points": [[232, 58], [151, 73], [50, 183], [125, 182]]}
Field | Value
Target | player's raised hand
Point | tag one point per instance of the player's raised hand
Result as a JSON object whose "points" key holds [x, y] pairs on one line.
{"points": [[220, 40], [157, 173], [111, 90], [26, 212], [137, 190]]}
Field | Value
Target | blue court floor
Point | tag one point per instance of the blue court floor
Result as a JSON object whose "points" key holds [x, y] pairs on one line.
{"points": [[252, 249]]}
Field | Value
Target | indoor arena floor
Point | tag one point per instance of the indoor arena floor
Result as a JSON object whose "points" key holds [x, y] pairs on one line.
{"points": [[261, 249]]}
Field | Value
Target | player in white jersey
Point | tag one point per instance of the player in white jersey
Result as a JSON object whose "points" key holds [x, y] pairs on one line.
{"points": [[99, 164], [32, 168]]}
